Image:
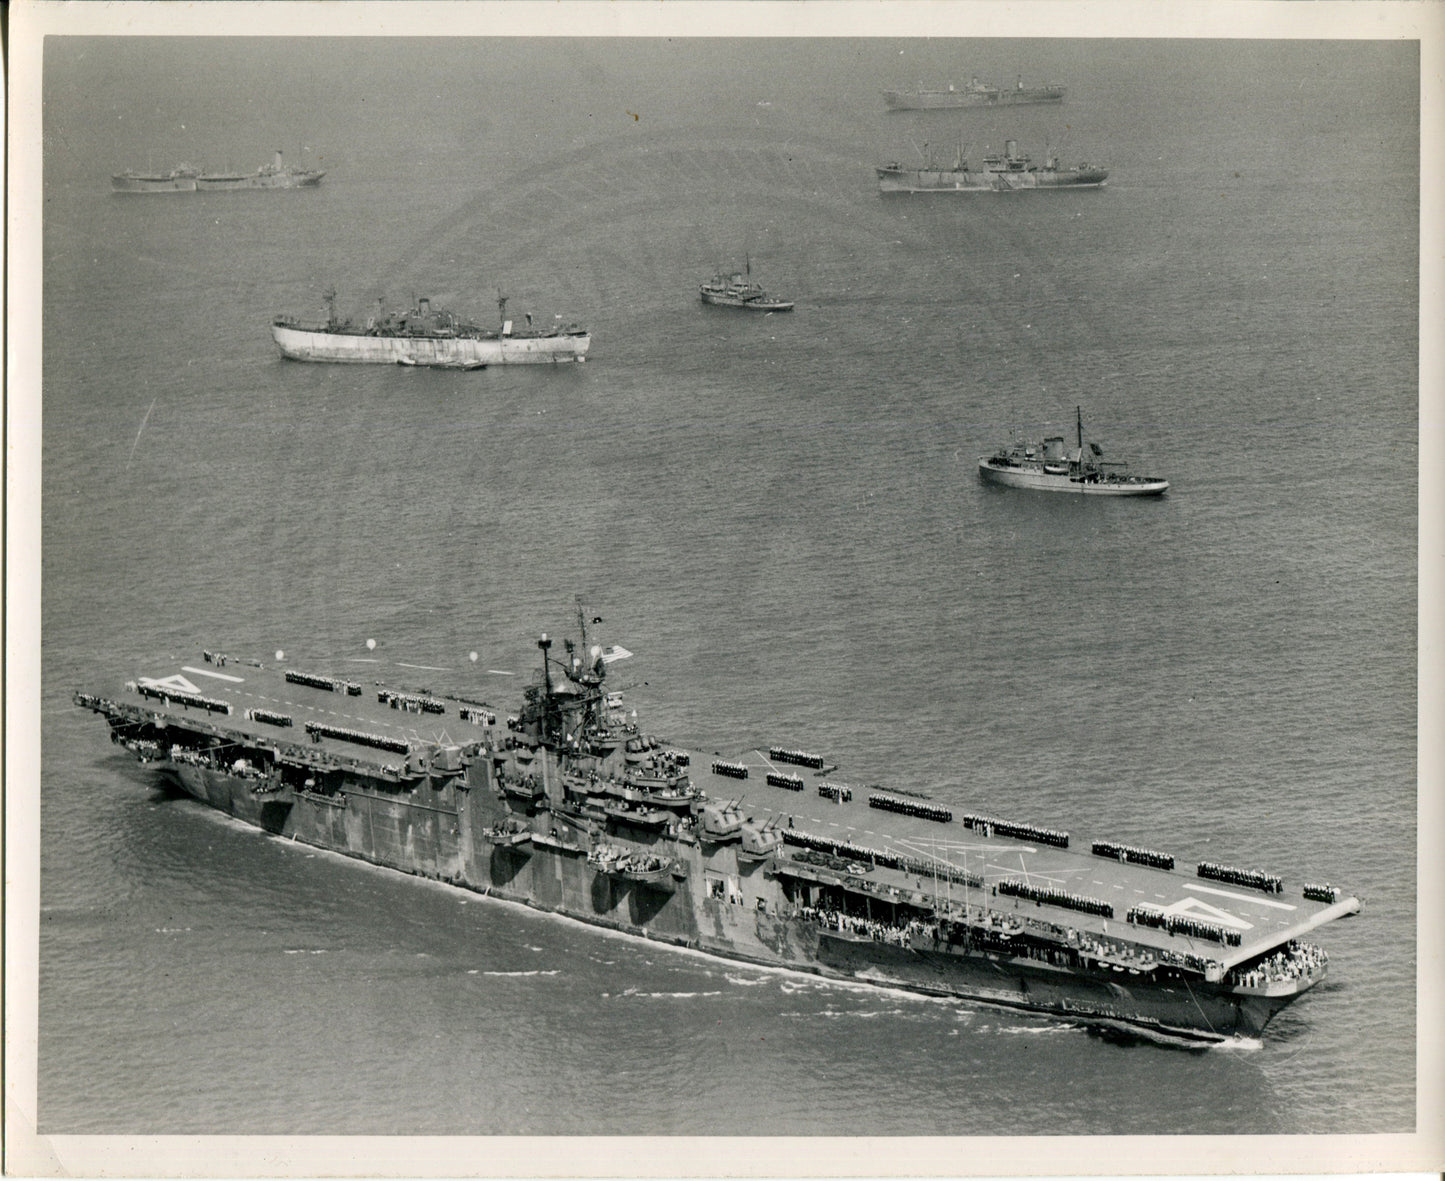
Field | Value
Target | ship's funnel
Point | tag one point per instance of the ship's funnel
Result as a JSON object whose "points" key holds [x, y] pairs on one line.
{"points": [[1054, 448], [1011, 149]]}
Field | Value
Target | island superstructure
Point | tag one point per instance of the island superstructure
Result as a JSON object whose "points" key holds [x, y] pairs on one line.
{"points": [[767, 856], [426, 336]]}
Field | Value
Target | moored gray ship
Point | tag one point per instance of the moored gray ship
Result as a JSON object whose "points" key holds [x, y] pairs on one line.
{"points": [[569, 806], [1011, 172], [1046, 466], [738, 290], [975, 94], [275, 175]]}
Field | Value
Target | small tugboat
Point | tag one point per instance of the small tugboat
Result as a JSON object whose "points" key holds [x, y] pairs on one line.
{"points": [[1046, 467], [975, 94], [1011, 172], [739, 291]]}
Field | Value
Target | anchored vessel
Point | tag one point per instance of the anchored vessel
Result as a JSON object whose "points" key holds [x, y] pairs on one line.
{"points": [[569, 807], [427, 336], [975, 94], [998, 174], [739, 291], [1047, 467], [185, 179], [181, 179], [274, 175]]}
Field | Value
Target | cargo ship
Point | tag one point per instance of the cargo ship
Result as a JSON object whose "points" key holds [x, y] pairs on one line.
{"points": [[738, 290], [426, 336], [1011, 172], [975, 94], [764, 856], [1047, 467], [275, 175], [181, 179]]}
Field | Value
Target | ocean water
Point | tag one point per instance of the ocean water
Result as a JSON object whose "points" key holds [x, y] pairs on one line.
{"points": [[780, 516]]}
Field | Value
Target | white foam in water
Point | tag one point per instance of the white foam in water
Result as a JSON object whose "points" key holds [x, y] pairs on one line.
{"points": [[533, 972]]}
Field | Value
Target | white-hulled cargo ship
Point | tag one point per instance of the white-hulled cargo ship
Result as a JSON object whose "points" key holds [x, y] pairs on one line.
{"points": [[426, 336]]}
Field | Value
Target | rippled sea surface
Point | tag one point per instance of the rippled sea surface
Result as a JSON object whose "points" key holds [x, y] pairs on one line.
{"points": [[781, 516]]}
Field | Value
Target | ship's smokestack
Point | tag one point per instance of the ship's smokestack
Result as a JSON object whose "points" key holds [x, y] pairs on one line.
{"points": [[276, 160], [1011, 149]]}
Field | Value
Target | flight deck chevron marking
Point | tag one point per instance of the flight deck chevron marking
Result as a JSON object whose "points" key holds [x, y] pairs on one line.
{"points": [[1202, 910], [177, 683]]}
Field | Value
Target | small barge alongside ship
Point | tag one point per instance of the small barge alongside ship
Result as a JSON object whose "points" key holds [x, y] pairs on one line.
{"points": [[568, 806]]}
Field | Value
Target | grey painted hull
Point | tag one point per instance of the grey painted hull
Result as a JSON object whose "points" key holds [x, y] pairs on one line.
{"points": [[441, 837]]}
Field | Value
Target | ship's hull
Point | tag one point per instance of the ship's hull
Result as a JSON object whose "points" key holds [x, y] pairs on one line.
{"points": [[963, 180], [273, 180], [759, 304], [448, 352], [442, 836], [941, 100], [153, 184], [1038, 480]]}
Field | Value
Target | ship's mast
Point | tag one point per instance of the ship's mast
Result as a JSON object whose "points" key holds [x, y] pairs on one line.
{"points": [[545, 644]]}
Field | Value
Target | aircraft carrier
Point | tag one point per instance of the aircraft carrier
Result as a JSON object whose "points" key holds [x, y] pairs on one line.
{"points": [[770, 856]]}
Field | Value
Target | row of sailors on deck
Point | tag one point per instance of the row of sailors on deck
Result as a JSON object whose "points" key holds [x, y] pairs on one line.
{"points": [[1122, 952], [879, 931], [1294, 960]]}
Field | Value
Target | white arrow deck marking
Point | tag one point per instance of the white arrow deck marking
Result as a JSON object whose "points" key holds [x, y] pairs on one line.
{"points": [[179, 683], [200, 672], [1196, 909], [1243, 897]]}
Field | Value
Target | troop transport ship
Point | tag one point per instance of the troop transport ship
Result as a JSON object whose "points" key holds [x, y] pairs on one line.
{"points": [[767, 857], [426, 336]]}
